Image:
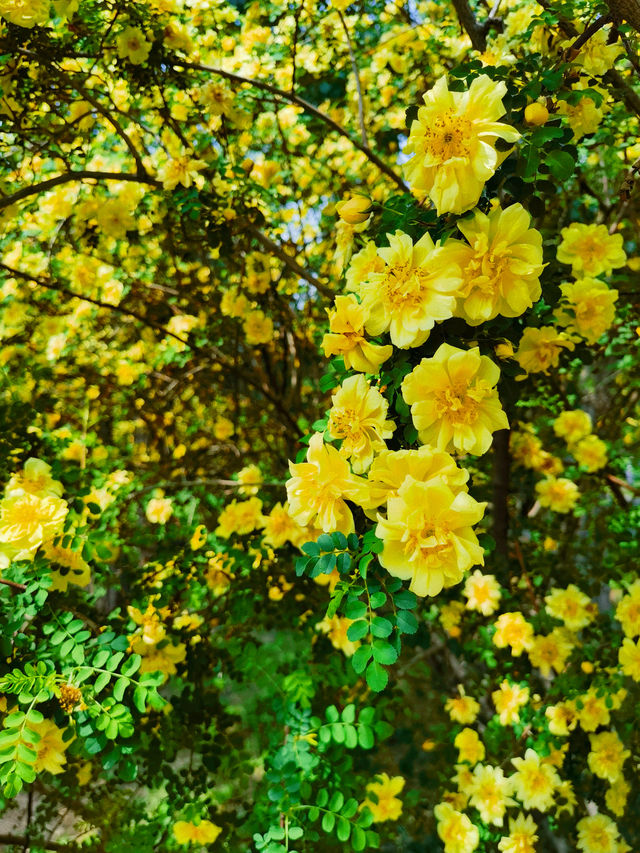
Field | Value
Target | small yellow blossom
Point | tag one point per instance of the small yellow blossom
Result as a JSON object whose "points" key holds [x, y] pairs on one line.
{"points": [[384, 804]]}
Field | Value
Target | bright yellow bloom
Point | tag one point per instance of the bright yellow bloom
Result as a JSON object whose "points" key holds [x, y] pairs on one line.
{"points": [[461, 708], [159, 510], [597, 834], [358, 417], [160, 658], [539, 349], [218, 574], [583, 116], [346, 337], [482, 593], [25, 13], [587, 308], [204, 832], [454, 401], [572, 425], [34, 479], [592, 711], [50, 748], [251, 477], [280, 528], [223, 428], [391, 468], [240, 517], [617, 795], [415, 289], [182, 169], [514, 631], [559, 494], [453, 143], [590, 249], [132, 45], [571, 606], [628, 611], [522, 835], [198, 538], [455, 829], [69, 566], [590, 453], [534, 782], [489, 793], [562, 717], [470, 747], [27, 522], [258, 328], [336, 629], [607, 755], [427, 535], [450, 616], [551, 652], [318, 488], [629, 658], [508, 699], [501, 266], [354, 210], [385, 789], [598, 54]]}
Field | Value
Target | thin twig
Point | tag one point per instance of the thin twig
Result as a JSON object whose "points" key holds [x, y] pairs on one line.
{"points": [[356, 74], [19, 587]]}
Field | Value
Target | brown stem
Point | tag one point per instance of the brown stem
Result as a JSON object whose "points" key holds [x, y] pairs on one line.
{"points": [[20, 587], [476, 32], [586, 34]]}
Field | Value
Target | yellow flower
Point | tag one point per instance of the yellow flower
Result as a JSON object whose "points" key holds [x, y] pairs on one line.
{"points": [[354, 210], [453, 143], [461, 708], [590, 249], [204, 832], [182, 169], [50, 748], [454, 401], [590, 453], [629, 658], [132, 45], [455, 829], [488, 792], [159, 510], [161, 658], [571, 606], [336, 629], [198, 538], [346, 337], [514, 631], [25, 13], [318, 488], [218, 574], [482, 593], [223, 429], [617, 795], [240, 518], [384, 804], [470, 747], [427, 535], [27, 522], [534, 782], [416, 289], [280, 528], [551, 651], [572, 425], [522, 835], [539, 349], [587, 308], [72, 568], [562, 717], [597, 834], [508, 699], [628, 611], [592, 711], [358, 417], [34, 479], [258, 328], [391, 468], [598, 54], [607, 755], [501, 266], [583, 116], [251, 478], [450, 616], [559, 494]]}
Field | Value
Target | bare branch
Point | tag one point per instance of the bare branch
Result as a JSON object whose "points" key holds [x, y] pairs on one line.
{"points": [[356, 74]]}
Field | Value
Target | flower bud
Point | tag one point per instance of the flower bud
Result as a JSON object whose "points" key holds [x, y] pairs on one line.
{"points": [[354, 210], [536, 114]]}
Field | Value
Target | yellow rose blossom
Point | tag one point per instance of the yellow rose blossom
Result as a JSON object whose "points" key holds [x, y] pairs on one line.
{"points": [[470, 747], [501, 264], [318, 488], [628, 611], [258, 328], [201, 833], [240, 518], [598, 54], [280, 528], [427, 535], [534, 782], [132, 45], [182, 169], [454, 401], [50, 748], [27, 522], [366, 261], [391, 468], [358, 417], [455, 830], [571, 606], [629, 658], [513, 631], [384, 804], [489, 793], [346, 337], [159, 510], [583, 116], [572, 425], [218, 574], [453, 142], [34, 479], [199, 537], [482, 593], [551, 652], [68, 566], [597, 834], [590, 249], [607, 755], [540, 349], [587, 308], [450, 616], [590, 453], [462, 708], [162, 658], [592, 711], [416, 288], [354, 210], [562, 718], [617, 795], [508, 699], [336, 629], [223, 429], [25, 13], [522, 836], [251, 478], [558, 494]]}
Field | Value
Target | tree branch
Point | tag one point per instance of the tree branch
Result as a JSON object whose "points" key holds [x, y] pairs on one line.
{"points": [[356, 74], [476, 32], [290, 262], [19, 587]]}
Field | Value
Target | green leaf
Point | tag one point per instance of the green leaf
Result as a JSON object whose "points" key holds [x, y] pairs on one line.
{"points": [[405, 599], [119, 688], [101, 681], [365, 737], [343, 829], [407, 622], [357, 630], [561, 164], [140, 698], [381, 627], [361, 658], [358, 838], [325, 542], [384, 653], [355, 610], [328, 821], [377, 676], [349, 713], [336, 802], [377, 600]]}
